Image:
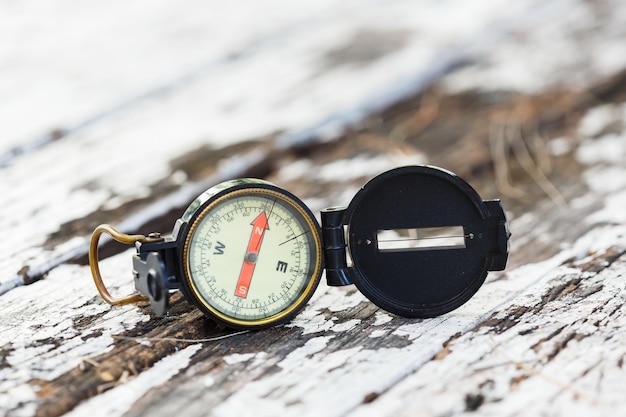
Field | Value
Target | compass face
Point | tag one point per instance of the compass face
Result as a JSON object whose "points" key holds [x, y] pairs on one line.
{"points": [[252, 256]]}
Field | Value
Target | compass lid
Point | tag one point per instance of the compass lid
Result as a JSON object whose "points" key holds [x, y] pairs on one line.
{"points": [[419, 238]]}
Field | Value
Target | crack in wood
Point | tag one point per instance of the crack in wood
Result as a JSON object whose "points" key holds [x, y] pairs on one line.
{"points": [[561, 290], [484, 394], [536, 346], [80, 324], [574, 286], [498, 325], [598, 262], [560, 345], [445, 347], [515, 382], [371, 397], [474, 401], [5, 352]]}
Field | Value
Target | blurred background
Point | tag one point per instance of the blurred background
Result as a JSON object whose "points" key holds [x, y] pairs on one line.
{"points": [[122, 113]]}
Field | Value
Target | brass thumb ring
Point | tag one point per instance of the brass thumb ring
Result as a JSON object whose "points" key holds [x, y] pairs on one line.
{"points": [[95, 269]]}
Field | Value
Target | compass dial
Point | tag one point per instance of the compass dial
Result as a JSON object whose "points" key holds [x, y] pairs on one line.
{"points": [[252, 256]]}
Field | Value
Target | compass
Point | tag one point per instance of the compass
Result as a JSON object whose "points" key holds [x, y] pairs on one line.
{"points": [[417, 241], [251, 253]]}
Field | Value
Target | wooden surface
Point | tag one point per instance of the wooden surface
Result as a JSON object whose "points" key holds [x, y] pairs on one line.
{"points": [[120, 114]]}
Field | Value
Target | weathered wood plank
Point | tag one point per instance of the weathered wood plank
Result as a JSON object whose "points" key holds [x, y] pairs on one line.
{"points": [[566, 363], [545, 336], [339, 336]]}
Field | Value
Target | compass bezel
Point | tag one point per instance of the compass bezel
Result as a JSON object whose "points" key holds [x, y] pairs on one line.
{"points": [[203, 206]]}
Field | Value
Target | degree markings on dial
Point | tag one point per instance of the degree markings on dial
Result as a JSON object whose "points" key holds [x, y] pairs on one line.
{"points": [[293, 251], [269, 216], [295, 237]]}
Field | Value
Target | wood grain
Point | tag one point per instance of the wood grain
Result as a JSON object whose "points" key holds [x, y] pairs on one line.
{"points": [[504, 106]]}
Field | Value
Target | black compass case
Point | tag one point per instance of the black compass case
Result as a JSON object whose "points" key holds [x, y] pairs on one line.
{"points": [[417, 241]]}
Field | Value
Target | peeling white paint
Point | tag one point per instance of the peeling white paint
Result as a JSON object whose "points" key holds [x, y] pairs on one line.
{"points": [[411, 375], [606, 176], [346, 326], [381, 318], [610, 148], [117, 401], [560, 146], [406, 373], [208, 381], [311, 323], [314, 318], [377, 333], [38, 325], [614, 209], [597, 119], [238, 358], [310, 348], [311, 372], [507, 369], [606, 180]]}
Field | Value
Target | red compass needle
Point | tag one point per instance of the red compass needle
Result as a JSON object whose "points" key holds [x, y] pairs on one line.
{"points": [[259, 226]]}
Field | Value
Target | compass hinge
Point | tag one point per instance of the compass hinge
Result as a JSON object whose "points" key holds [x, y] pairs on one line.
{"points": [[153, 275], [334, 242], [499, 235]]}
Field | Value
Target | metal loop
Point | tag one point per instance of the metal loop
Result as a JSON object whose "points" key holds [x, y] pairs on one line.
{"points": [[95, 269]]}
